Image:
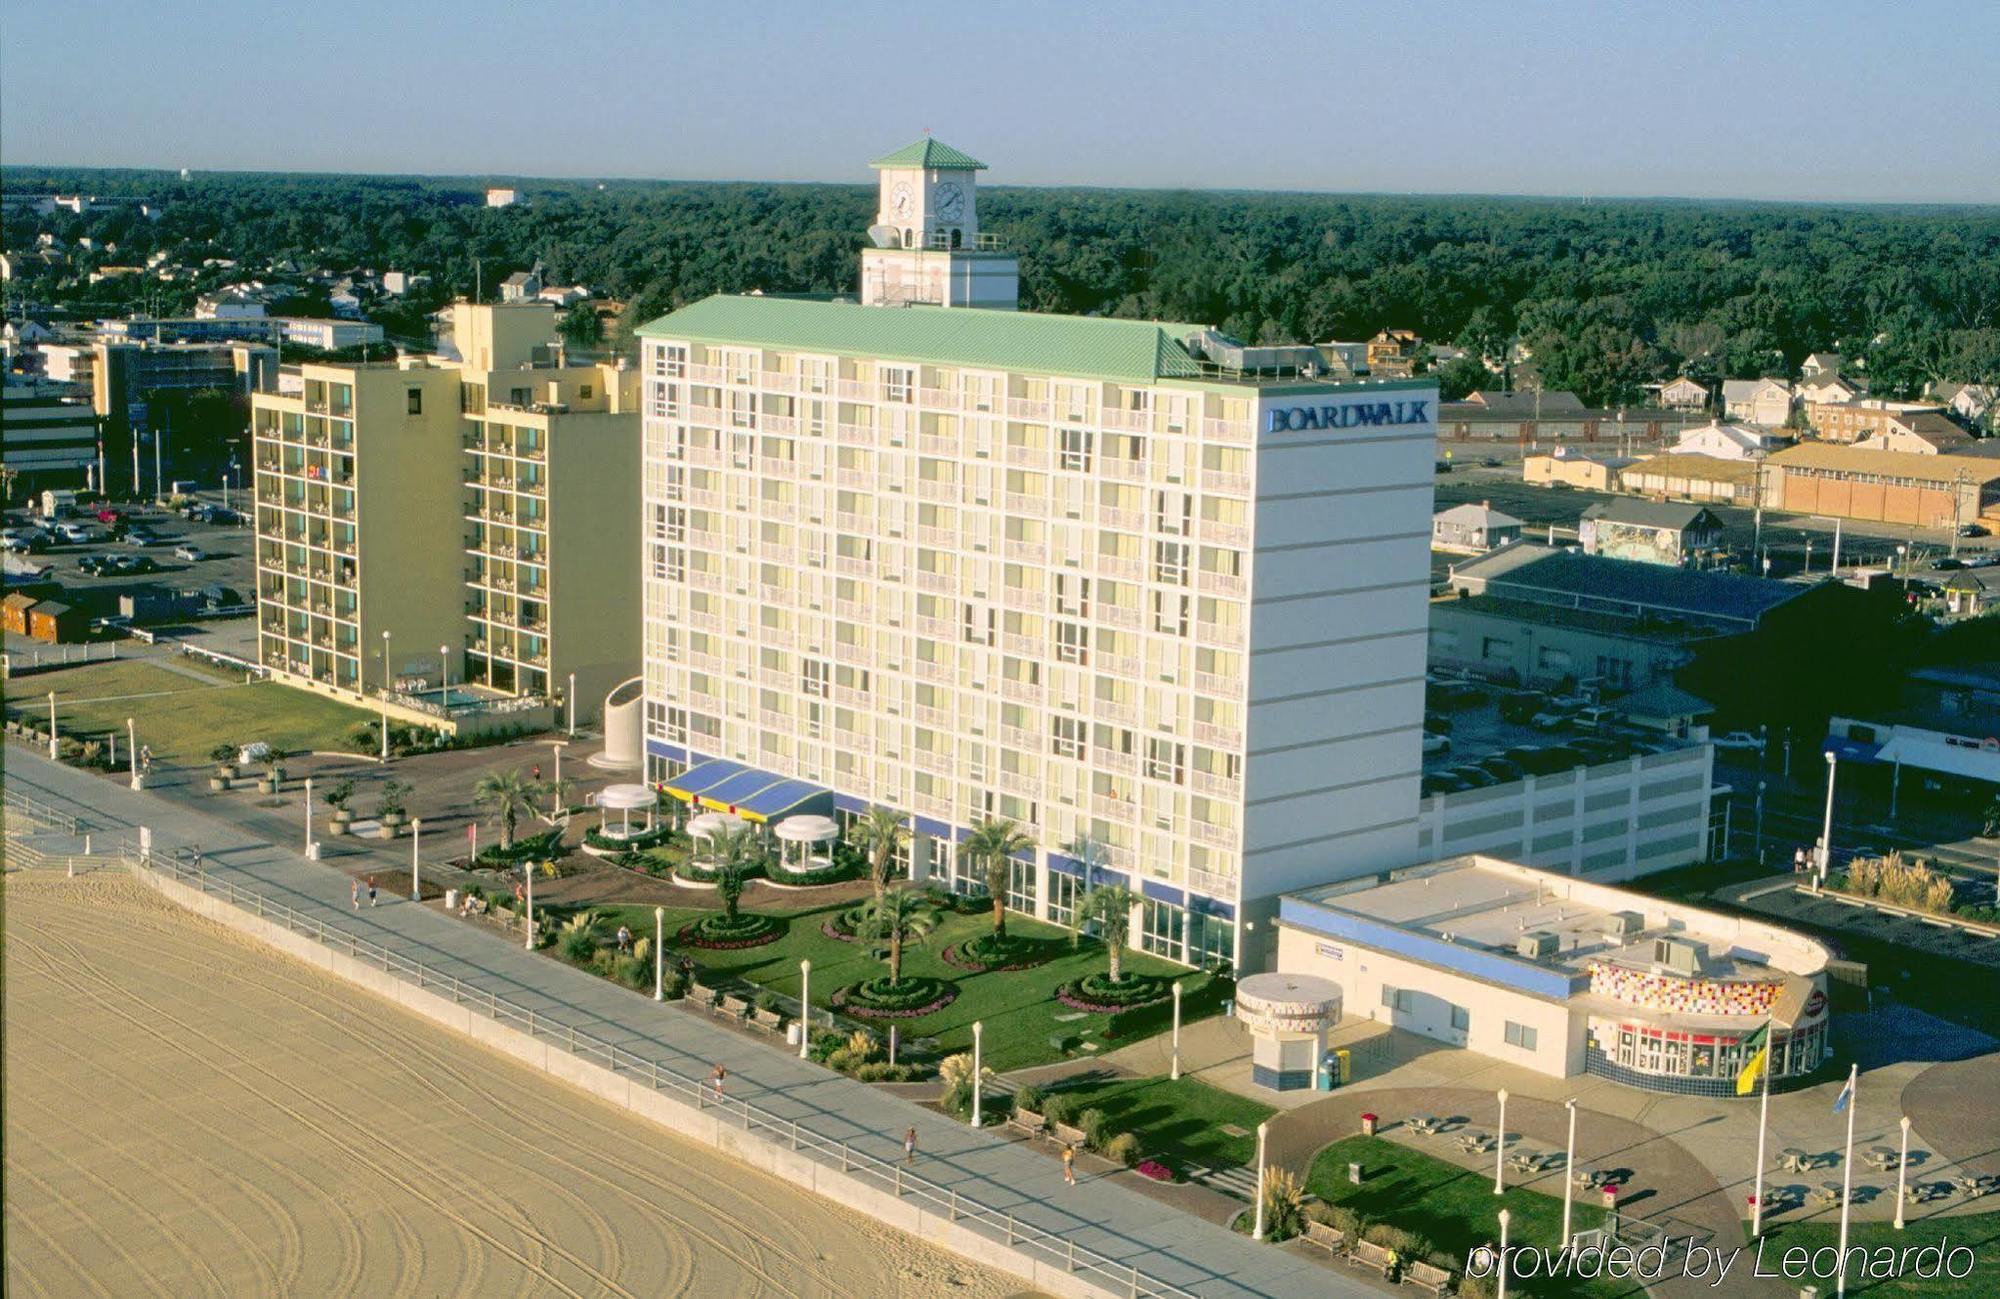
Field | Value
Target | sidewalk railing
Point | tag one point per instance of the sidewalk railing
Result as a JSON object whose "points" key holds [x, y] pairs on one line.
{"points": [[1051, 1247], [34, 809]]}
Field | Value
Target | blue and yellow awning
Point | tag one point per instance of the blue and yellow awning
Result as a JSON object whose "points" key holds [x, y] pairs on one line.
{"points": [[722, 786]]}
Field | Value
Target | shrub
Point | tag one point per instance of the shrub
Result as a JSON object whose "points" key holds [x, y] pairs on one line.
{"points": [[1339, 1217], [1910, 884], [767, 1001], [1091, 1122], [673, 986], [633, 972], [1124, 1148], [883, 1071], [1058, 1108], [1028, 1098], [1284, 1204], [1409, 1246]]}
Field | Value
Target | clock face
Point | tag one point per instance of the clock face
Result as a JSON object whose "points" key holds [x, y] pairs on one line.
{"points": [[901, 201], [950, 202]]}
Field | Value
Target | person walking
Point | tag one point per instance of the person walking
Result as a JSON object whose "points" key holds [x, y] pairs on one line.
{"points": [[371, 890], [354, 895], [538, 774], [624, 938], [715, 1077], [1069, 1164], [910, 1146]]}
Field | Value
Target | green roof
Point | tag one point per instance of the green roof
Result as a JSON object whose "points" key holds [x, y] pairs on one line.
{"points": [[1095, 347], [930, 155]]}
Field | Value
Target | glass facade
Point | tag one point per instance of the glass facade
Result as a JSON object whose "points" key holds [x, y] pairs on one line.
{"points": [[1662, 1058]]}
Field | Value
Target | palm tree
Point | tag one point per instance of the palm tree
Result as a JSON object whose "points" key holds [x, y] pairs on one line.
{"points": [[879, 834], [509, 796], [557, 790], [1110, 905], [899, 917], [993, 843], [1093, 855], [738, 854]]}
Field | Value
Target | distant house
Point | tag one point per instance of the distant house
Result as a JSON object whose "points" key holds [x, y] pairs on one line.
{"points": [[1681, 394], [399, 283], [1828, 389], [1766, 403], [1393, 353], [1694, 478], [1926, 433], [1820, 364], [1725, 442], [502, 196], [1526, 404], [1852, 420], [1665, 707], [1571, 469], [1473, 529], [522, 286], [1649, 532], [1968, 402], [1345, 360], [57, 623]]}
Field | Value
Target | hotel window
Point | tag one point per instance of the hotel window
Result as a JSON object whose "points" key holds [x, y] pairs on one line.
{"points": [[899, 383], [1166, 760], [1210, 940], [1400, 1000], [1520, 1035], [1161, 929], [1072, 642], [1075, 450], [1063, 893], [1066, 736], [1461, 1019], [1021, 886], [1170, 613], [416, 401], [1072, 595], [1170, 562]]}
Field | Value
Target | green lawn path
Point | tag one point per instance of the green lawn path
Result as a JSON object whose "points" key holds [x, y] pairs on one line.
{"points": [[1178, 1122]]}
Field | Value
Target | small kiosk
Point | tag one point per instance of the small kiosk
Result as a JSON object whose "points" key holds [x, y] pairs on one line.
{"points": [[1288, 1016]]}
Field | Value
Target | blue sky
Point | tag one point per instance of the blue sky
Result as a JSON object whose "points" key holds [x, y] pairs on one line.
{"points": [[1839, 99]]}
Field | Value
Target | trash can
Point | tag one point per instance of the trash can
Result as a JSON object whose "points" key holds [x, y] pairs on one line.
{"points": [[792, 1031], [1345, 1073], [1325, 1077], [451, 899], [1367, 1125]]}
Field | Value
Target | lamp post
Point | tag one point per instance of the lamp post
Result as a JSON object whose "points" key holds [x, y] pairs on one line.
{"points": [[416, 859], [570, 699], [1569, 1171], [52, 723], [309, 818], [1902, 1170], [1826, 830], [1257, 1228], [1500, 1148], [132, 750], [388, 684], [528, 897], [659, 953], [805, 1009], [1501, 1290], [1760, 822], [978, 1031], [1176, 1071], [444, 657]]}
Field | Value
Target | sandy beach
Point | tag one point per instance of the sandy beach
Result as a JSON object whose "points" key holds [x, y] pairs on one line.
{"points": [[188, 1114]]}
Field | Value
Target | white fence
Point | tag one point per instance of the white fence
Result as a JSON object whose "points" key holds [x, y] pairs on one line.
{"points": [[1051, 1248]]}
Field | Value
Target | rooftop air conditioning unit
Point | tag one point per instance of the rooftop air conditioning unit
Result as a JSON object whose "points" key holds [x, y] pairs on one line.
{"points": [[1678, 955], [1536, 944], [1623, 924]]}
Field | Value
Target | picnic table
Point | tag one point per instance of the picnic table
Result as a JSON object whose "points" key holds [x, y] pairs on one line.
{"points": [[1973, 1185], [1475, 1142], [1828, 1193], [1526, 1161], [1795, 1160], [1426, 1124], [1881, 1156]]}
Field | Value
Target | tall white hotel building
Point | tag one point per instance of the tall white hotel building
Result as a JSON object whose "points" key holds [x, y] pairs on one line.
{"points": [[1120, 581]]}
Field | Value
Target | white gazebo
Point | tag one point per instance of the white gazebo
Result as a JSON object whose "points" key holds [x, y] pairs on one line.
{"points": [[805, 831], [624, 799], [705, 827]]}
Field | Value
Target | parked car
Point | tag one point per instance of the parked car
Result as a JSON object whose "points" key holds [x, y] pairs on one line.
{"points": [[1444, 782], [1521, 708], [1946, 565], [193, 554], [30, 542], [1436, 743], [132, 565], [1474, 777], [1501, 768], [94, 565], [1490, 462], [1739, 740], [144, 537], [1594, 718], [79, 534], [1972, 530], [1550, 719]]}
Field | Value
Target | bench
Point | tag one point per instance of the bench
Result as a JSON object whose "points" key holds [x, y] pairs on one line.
{"points": [[1068, 1135], [701, 996], [1427, 1276], [1376, 1258], [768, 1020], [1331, 1239], [736, 1008], [1028, 1122]]}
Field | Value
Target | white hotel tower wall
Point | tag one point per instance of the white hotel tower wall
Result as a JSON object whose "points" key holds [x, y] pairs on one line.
{"points": [[1297, 764]]}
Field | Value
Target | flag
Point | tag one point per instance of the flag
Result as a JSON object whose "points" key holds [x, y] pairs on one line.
{"points": [[1846, 1095], [1756, 1059]]}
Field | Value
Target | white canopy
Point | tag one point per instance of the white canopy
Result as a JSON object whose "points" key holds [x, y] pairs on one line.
{"points": [[629, 798], [807, 829], [709, 824]]}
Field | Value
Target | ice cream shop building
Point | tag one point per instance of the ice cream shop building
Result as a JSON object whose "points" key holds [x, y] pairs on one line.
{"points": [[1563, 976]]}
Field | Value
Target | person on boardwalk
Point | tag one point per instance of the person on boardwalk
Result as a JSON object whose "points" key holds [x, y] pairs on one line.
{"points": [[354, 895], [910, 1146], [1069, 1165], [371, 890], [715, 1077]]}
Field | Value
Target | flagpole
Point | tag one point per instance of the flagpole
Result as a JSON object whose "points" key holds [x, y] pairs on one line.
{"points": [[1847, 1175], [1763, 1119]]}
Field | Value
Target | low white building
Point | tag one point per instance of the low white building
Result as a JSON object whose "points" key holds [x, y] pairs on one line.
{"points": [[1763, 402], [1473, 529], [328, 335], [1725, 442], [502, 196], [1564, 976]]}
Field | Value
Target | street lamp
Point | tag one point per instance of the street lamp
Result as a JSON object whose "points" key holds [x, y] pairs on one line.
{"points": [[570, 699], [528, 899], [416, 861], [52, 724], [132, 749], [1902, 1170], [310, 854], [1500, 1149], [978, 1031], [444, 657], [659, 953], [1569, 1169], [1501, 1291], [1176, 1072], [805, 1009], [1826, 830], [1257, 1229], [388, 684]]}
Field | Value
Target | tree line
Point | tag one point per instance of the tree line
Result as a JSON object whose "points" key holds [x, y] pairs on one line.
{"points": [[1604, 295]]}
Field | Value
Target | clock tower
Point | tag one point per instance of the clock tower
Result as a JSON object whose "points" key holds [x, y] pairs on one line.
{"points": [[927, 245]]}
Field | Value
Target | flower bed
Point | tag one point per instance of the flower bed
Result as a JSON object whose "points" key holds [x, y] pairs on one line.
{"points": [[913, 998], [1097, 993], [1156, 1170], [718, 934], [845, 926], [548, 844], [986, 953]]}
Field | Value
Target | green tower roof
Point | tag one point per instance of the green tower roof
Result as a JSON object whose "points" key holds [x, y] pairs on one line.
{"points": [[931, 155]]}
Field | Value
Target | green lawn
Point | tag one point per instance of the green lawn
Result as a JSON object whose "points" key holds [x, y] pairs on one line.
{"points": [[1452, 1207], [1018, 1007], [182, 718], [1979, 1232], [1180, 1123]]}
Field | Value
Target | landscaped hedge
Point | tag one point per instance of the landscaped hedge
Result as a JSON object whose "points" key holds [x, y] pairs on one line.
{"points": [[718, 933], [837, 873], [656, 837], [1097, 993], [1202, 995], [913, 998], [988, 952], [535, 847]]}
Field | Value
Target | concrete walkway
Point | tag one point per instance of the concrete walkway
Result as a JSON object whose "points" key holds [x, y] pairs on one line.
{"points": [[1200, 1257]]}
